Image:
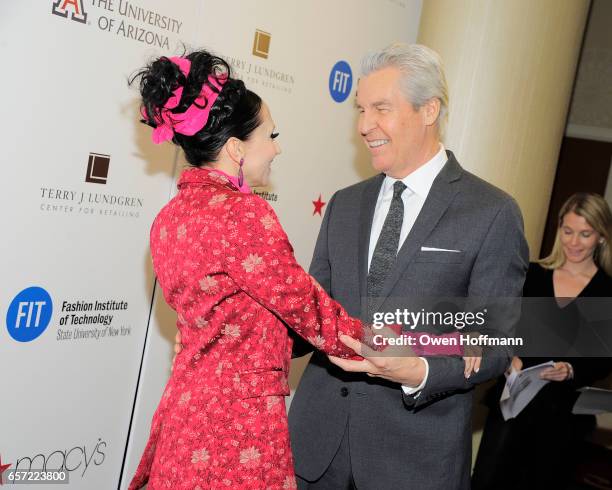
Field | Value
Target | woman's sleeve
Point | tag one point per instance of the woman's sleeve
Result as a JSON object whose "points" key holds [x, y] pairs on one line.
{"points": [[260, 260], [588, 370]]}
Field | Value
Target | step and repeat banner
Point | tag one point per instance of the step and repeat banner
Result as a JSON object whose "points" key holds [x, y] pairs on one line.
{"points": [[86, 344]]}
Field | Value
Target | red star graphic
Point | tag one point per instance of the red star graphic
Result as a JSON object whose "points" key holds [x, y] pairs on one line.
{"points": [[3, 468], [318, 206]]}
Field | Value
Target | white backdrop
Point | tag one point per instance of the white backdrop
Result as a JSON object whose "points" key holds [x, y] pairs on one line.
{"points": [[83, 183]]}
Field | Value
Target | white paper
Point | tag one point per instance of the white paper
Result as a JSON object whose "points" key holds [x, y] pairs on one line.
{"points": [[593, 401], [521, 387]]}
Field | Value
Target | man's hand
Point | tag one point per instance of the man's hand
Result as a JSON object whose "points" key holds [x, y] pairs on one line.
{"points": [[178, 347], [405, 369]]}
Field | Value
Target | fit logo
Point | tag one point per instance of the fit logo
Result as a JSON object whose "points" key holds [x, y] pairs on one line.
{"points": [[72, 7], [340, 81], [29, 314]]}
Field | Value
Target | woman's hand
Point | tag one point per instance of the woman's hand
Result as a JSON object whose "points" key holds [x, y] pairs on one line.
{"points": [[472, 355], [561, 371], [472, 365], [516, 364]]}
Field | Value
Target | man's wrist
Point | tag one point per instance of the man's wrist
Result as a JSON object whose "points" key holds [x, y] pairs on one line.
{"points": [[422, 372]]}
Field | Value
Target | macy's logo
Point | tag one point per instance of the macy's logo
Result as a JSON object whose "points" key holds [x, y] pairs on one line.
{"points": [[77, 458]]}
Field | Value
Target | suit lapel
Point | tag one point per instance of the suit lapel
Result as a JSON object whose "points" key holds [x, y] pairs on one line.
{"points": [[366, 215], [438, 200]]}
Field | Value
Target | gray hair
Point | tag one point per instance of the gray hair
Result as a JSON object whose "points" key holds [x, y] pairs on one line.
{"points": [[422, 74]]}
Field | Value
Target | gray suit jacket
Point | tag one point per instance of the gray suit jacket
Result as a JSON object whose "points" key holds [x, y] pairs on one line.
{"points": [[400, 441]]}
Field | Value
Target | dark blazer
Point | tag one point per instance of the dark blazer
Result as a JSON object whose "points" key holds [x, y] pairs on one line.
{"points": [[518, 453], [396, 440], [577, 341]]}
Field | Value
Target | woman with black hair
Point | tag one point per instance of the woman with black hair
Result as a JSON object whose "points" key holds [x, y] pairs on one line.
{"points": [[225, 265]]}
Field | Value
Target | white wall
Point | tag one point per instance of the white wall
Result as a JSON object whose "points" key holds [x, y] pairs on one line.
{"points": [[68, 402]]}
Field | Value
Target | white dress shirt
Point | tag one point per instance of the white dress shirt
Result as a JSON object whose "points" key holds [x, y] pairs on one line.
{"points": [[418, 184]]}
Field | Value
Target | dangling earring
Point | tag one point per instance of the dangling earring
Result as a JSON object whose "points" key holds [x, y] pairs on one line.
{"points": [[240, 174]]}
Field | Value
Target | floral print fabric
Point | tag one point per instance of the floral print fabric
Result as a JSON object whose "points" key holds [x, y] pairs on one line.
{"points": [[226, 266]]}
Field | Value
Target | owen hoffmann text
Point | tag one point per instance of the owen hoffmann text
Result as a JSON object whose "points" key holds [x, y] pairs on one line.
{"points": [[458, 319], [91, 320], [426, 340]]}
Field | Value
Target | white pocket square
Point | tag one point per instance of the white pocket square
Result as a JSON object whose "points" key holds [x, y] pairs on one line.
{"points": [[434, 249]]}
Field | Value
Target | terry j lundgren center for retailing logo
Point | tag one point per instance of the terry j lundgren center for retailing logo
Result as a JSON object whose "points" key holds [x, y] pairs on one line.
{"points": [[89, 200], [260, 69]]}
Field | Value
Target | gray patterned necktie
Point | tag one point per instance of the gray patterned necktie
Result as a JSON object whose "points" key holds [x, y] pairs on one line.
{"points": [[387, 245]]}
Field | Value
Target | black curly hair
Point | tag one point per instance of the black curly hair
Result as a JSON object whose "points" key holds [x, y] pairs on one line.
{"points": [[235, 112]]}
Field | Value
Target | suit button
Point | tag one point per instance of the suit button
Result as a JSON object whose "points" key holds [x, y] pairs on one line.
{"points": [[344, 391]]}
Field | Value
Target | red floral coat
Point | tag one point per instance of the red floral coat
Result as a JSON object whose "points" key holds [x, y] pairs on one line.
{"points": [[226, 266]]}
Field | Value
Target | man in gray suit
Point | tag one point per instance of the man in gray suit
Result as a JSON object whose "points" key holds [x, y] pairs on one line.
{"points": [[423, 227]]}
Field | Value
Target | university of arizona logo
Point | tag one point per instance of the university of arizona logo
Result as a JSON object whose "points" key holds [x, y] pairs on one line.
{"points": [[75, 7]]}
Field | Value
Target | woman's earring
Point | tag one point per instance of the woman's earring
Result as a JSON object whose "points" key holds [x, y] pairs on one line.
{"points": [[240, 174]]}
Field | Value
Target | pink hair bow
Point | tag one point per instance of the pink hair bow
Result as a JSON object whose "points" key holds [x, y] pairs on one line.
{"points": [[195, 117]]}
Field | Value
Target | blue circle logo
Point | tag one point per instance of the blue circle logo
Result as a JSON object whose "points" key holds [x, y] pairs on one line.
{"points": [[340, 81], [29, 314]]}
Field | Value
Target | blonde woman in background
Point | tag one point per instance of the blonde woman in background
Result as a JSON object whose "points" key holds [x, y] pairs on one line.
{"points": [[537, 449]]}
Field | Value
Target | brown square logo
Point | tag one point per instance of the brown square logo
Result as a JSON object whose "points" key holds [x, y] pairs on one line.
{"points": [[97, 168], [261, 43]]}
